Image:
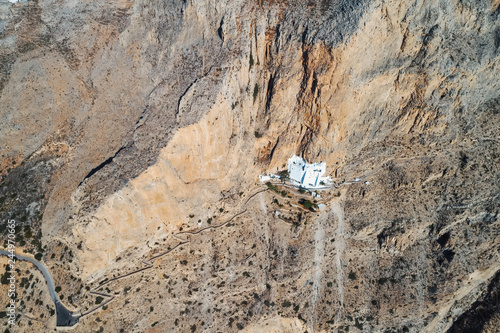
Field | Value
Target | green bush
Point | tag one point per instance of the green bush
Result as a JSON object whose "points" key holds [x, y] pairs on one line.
{"points": [[308, 204], [255, 92], [283, 174], [28, 233], [250, 61], [382, 281], [272, 187], [5, 278]]}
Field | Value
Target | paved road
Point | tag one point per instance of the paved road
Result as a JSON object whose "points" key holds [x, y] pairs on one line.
{"points": [[64, 316]]}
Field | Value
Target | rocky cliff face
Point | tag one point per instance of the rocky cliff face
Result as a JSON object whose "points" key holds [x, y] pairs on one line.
{"points": [[128, 123]]}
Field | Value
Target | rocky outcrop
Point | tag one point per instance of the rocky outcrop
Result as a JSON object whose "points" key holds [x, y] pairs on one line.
{"points": [[129, 121]]}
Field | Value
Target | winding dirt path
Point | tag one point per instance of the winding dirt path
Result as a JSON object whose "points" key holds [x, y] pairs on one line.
{"points": [[149, 262]]}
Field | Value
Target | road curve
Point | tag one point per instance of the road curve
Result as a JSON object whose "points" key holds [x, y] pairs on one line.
{"points": [[64, 316]]}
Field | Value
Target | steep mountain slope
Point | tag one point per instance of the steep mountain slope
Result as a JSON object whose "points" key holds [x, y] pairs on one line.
{"points": [[127, 122]]}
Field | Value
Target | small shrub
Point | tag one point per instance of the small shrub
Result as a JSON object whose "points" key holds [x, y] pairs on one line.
{"points": [[250, 61], [272, 187], [382, 281], [432, 289], [284, 174], [308, 204], [255, 92]]}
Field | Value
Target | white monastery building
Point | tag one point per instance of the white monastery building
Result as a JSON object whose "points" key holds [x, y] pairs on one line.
{"points": [[305, 174]]}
